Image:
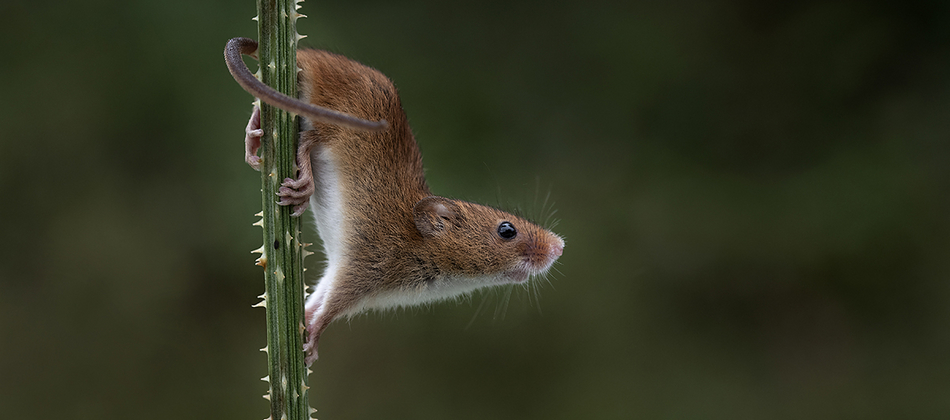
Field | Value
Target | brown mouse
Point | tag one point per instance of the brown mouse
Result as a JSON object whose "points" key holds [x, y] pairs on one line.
{"points": [[389, 242]]}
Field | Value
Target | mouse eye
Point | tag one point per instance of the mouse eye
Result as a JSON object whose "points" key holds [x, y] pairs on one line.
{"points": [[506, 230]]}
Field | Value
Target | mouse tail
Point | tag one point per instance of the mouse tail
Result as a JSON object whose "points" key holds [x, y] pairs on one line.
{"points": [[232, 56]]}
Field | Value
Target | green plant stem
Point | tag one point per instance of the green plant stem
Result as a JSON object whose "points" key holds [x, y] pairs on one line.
{"points": [[282, 251]]}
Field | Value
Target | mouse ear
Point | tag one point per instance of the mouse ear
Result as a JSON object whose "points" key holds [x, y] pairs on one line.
{"points": [[434, 215]]}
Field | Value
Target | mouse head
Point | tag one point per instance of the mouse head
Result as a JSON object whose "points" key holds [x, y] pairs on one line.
{"points": [[473, 240]]}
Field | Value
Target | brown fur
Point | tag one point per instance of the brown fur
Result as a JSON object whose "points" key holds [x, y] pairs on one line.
{"points": [[398, 241]]}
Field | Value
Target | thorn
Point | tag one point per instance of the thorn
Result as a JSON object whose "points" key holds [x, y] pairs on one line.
{"points": [[258, 250], [283, 382], [261, 214], [267, 397], [287, 238], [306, 253], [266, 379], [261, 304], [312, 410], [262, 261], [279, 274], [308, 373], [299, 37], [263, 295], [264, 349], [255, 19], [258, 223]]}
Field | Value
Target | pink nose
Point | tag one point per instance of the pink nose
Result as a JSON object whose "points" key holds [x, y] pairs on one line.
{"points": [[557, 249]]}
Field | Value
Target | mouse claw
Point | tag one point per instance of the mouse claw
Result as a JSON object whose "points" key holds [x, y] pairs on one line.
{"points": [[296, 192], [296, 189], [299, 210], [299, 204], [253, 161], [305, 183], [310, 353], [288, 200], [310, 341], [316, 321]]}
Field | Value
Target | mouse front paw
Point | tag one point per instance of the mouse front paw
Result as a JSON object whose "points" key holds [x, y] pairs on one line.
{"points": [[296, 193]]}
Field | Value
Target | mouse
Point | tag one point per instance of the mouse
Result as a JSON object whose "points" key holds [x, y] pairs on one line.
{"points": [[389, 242]]}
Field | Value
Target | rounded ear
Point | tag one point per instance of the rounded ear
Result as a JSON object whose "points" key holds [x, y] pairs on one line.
{"points": [[434, 215]]}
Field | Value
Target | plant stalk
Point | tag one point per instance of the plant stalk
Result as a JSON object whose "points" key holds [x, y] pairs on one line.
{"points": [[282, 253]]}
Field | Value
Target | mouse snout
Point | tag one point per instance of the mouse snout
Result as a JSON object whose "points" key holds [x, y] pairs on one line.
{"points": [[557, 248], [543, 250], [538, 252], [551, 245]]}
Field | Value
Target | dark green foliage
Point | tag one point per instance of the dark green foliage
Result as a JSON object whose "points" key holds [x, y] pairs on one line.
{"points": [[754, 199]]}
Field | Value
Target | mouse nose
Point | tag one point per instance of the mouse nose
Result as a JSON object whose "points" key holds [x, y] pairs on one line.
{"points": [[557, 247]]}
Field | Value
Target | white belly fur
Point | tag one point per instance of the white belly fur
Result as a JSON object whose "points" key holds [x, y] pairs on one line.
{"points": [[327, 207]]}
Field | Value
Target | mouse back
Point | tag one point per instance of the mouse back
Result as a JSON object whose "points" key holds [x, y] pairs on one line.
{"points": [[380, 173]]}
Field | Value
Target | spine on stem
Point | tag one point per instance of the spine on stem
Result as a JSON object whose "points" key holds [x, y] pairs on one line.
{"points": [[282, 252]]}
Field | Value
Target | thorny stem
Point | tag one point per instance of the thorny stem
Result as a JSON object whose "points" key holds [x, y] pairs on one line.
{"points": [[282, 253]]}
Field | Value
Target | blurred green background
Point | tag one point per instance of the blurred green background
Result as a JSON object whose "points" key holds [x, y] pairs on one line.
{"points": [[755, 199]]}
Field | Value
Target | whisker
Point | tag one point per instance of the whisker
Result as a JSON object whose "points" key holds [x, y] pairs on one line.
{"points": [[547, 219], [478, 310], [537, 297], [547, 278], [503, 306], [544, 206], [537, 191]]}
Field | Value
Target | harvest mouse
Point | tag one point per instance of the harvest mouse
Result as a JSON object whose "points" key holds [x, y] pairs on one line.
{"points": [[389, 242]]}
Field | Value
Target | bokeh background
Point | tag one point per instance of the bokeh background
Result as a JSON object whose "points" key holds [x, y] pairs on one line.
{"points": [[755, 198]]}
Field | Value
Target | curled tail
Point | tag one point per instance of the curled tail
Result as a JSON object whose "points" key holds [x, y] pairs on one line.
{"points": [[244, 77]]}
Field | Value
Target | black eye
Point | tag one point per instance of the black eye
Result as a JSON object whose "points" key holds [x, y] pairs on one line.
{"points": [[506, 230]]}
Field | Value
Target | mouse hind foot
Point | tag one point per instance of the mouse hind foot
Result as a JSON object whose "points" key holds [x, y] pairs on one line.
{"points": [[252, 139]]}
